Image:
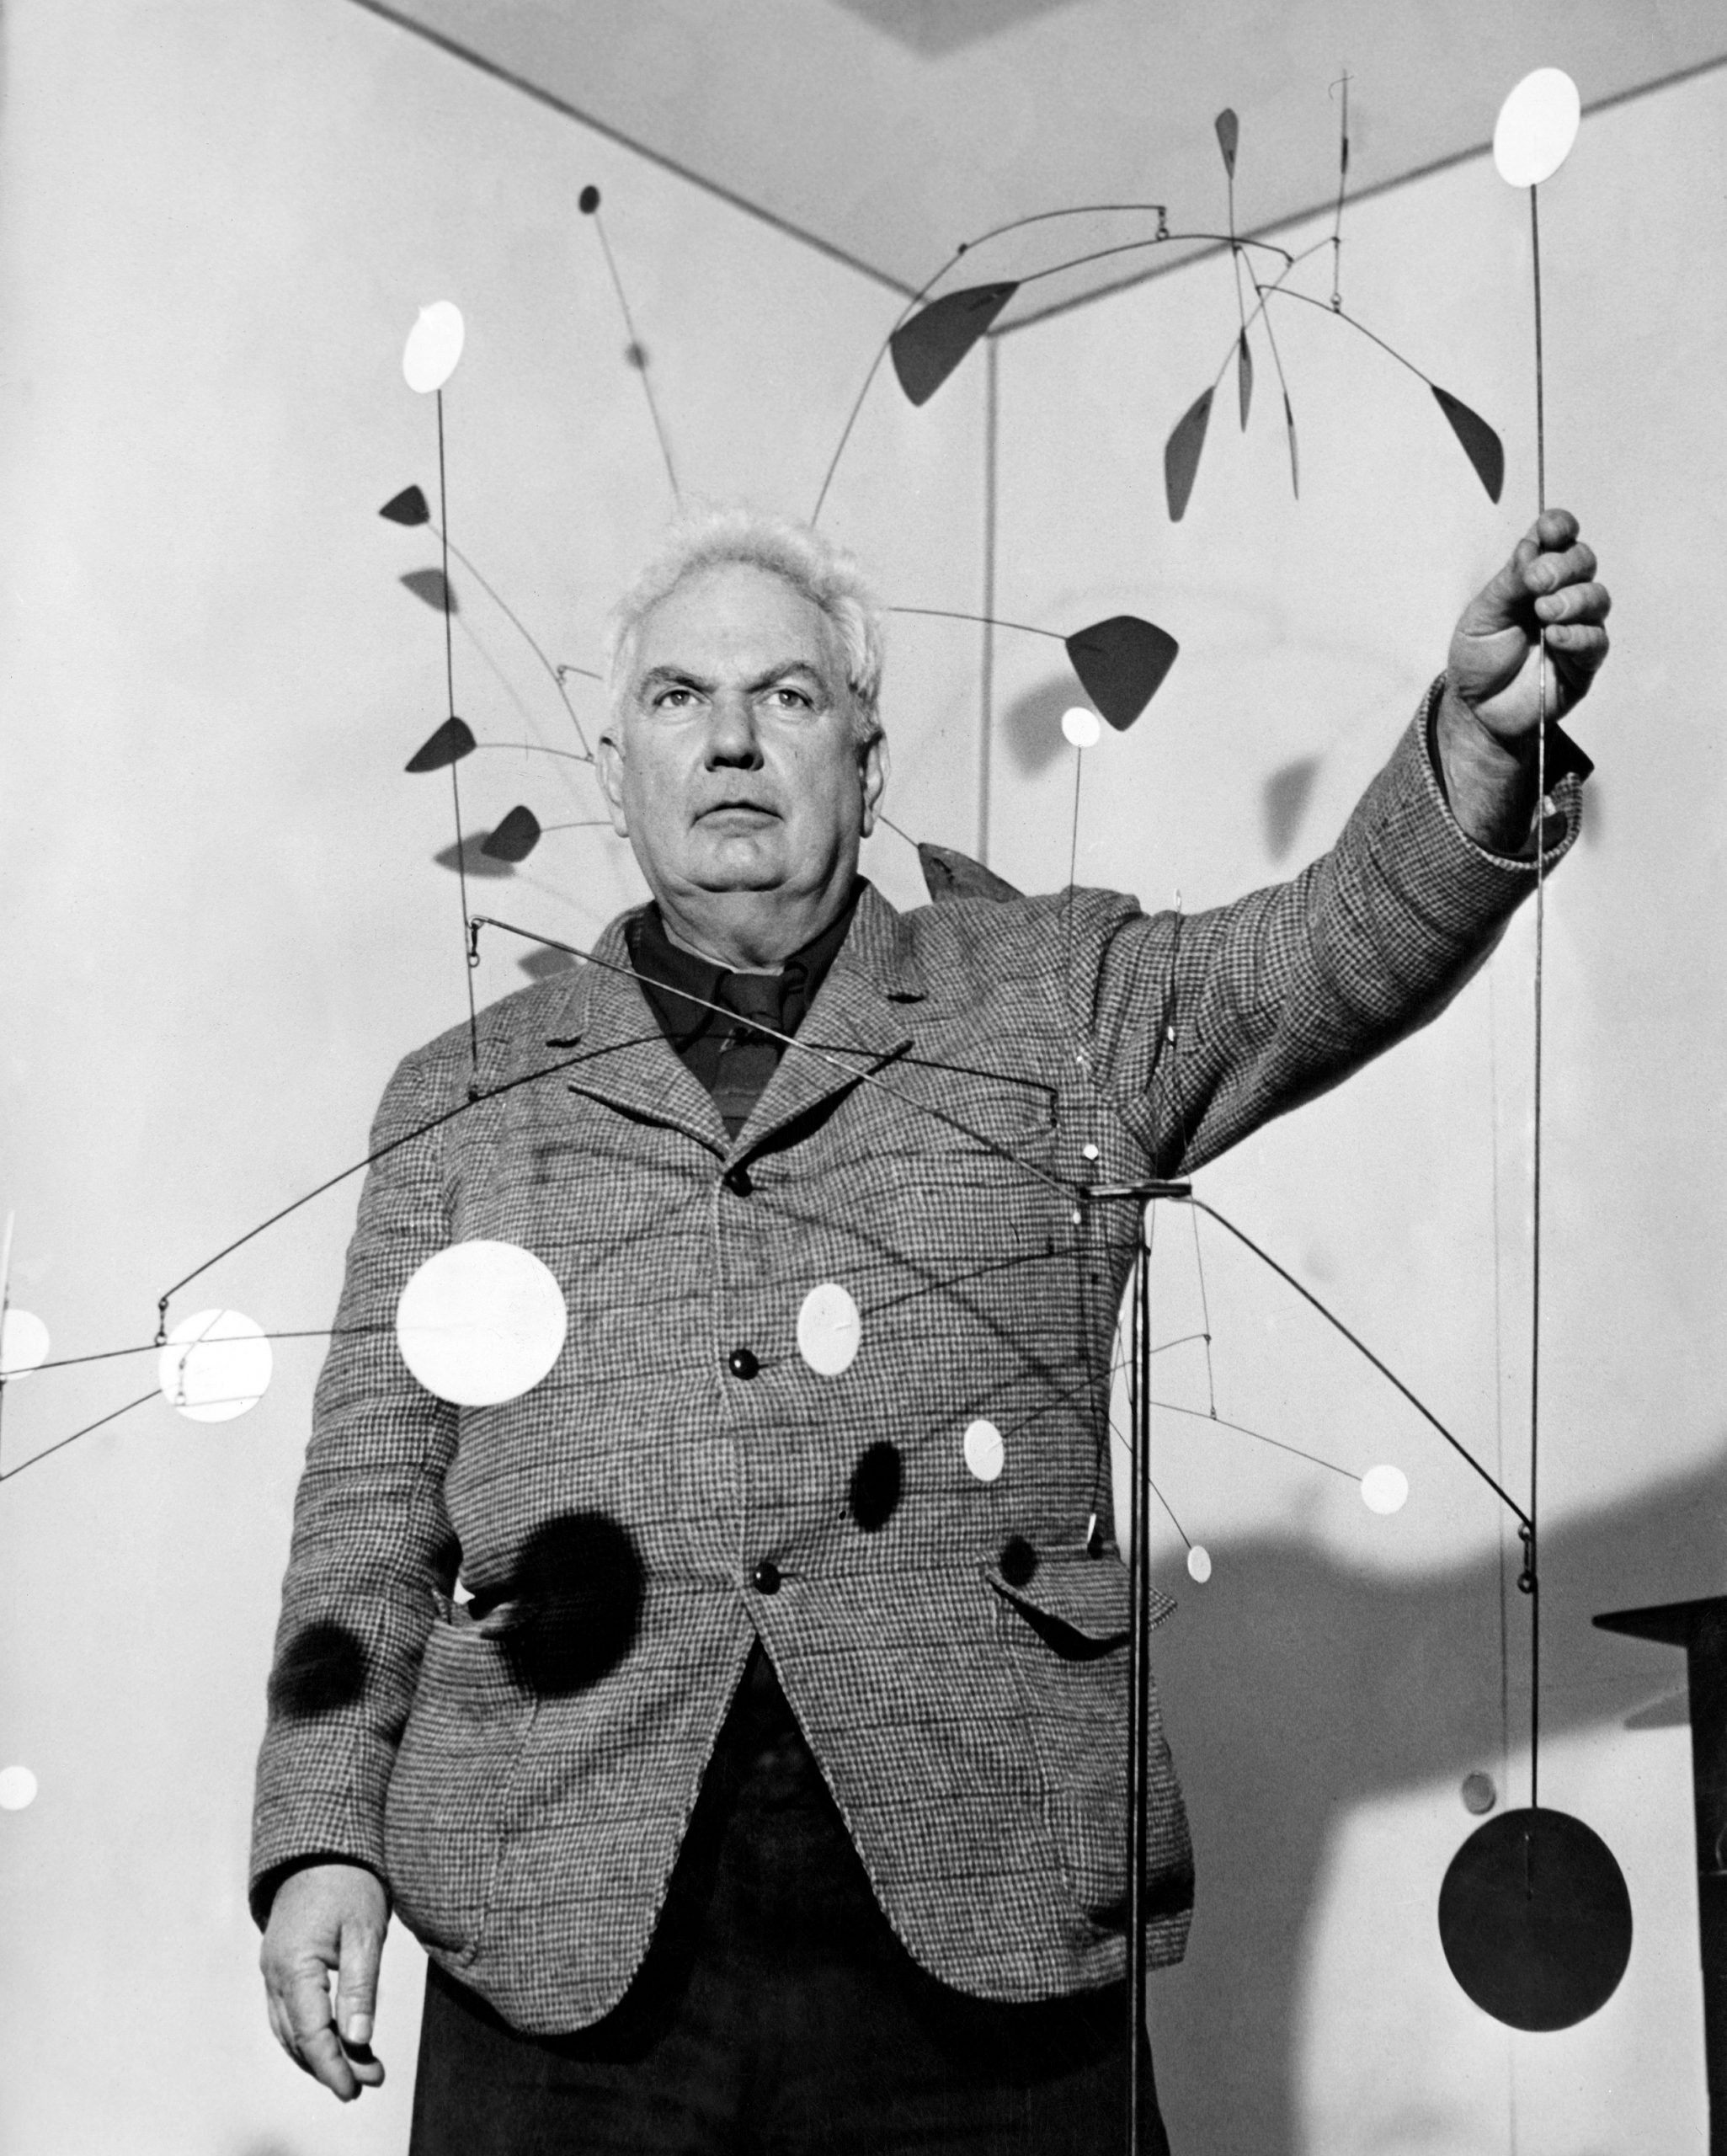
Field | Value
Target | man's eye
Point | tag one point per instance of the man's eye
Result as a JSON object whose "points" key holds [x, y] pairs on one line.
{"points": [[790, 699], [672, 699]]}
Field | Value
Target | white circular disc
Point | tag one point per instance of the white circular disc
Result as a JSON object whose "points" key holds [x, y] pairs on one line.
{"points": [[18, 1788], [216, 1364], [986, 1455], [1385, 1489], [434, 346], [830, 1330], [1199, 1563], [23, 1343], [482, 1322], [1536, 125], [1081, 728]]}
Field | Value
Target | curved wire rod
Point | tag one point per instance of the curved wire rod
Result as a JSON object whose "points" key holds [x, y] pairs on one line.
{"points": [[638, 353], [1289, 292], [155, 1347], [536, 749], [1067, 1188], [904, 315], [1222, 1421], [555, 672], [1126, 1443], [479, 1100], [61, 1444], [1162, 238], [1361, 1348], [989, 621]]}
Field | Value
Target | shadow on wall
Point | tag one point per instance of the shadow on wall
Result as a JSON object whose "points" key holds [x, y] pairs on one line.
{"points": [[1031, 724], [1306, 1690]]}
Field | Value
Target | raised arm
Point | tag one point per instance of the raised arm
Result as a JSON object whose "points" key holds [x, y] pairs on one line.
{"points": [[1209, 1026]]}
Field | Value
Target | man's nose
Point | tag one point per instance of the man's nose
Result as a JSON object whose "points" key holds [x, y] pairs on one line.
{"points": [[732, 739]]}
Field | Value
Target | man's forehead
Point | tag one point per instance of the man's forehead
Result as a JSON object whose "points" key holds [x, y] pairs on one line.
{"points": [[737, 610]]}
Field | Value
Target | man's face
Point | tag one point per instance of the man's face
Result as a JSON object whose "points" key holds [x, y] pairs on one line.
{"points": [[733, 766]]}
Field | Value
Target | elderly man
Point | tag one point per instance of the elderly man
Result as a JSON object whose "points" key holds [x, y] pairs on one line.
{"points": [[765, 1789]]}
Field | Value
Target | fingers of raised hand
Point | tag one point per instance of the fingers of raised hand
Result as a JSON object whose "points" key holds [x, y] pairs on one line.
{"points": [[1587, 600], [1558, 567]]}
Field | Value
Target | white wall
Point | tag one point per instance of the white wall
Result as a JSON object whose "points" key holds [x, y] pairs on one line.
{"points": [[224, 919], [1330, 1687]]}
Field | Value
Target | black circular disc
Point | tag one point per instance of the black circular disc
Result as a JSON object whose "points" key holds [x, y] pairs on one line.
{"points": [[1535, 1919]]}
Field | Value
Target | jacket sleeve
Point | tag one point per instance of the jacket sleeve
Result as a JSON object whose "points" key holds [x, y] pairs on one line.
{"points": [[372, 1551], [1207, 1026]]}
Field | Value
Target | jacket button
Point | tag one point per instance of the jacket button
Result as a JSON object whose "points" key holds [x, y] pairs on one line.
{"points": [[741, 1364], [737, 1181], [766, 1576]]}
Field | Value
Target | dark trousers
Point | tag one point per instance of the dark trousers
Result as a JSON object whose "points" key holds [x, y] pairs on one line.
{"points": [[776, 2014]]}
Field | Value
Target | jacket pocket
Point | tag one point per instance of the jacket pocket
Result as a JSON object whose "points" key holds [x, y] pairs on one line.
{"points": [[1065, 1633], [443, 1817]]}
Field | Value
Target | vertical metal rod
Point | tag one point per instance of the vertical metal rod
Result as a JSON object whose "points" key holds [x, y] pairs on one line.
{"points": [[1531, 1581], [468, 929], [986, 722], [1138, 1682]]}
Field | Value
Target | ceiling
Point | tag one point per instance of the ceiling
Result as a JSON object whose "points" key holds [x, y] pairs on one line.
{"points": [[885, 131]]}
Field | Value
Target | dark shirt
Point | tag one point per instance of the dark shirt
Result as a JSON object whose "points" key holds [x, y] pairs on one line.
{"points": [[722, 1048]]}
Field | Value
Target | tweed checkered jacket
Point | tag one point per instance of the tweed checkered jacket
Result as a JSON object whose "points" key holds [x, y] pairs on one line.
{"points": [[954, 1656]]}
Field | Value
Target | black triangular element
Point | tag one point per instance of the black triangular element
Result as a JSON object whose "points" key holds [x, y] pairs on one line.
{"points": [[433, 587], [1228, 135], [409, 507], [1481, 446], [451, 742], [1244, 378], [927, 348], [1181, 454], [1121, 664], [949, 875], [1294, 455], [515, 837]]}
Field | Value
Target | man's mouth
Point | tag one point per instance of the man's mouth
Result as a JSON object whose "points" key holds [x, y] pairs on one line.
{"points": [[756, 810]]}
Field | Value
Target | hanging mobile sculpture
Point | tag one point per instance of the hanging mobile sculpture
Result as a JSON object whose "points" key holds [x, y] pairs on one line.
{"points": [[1533, 1916]]}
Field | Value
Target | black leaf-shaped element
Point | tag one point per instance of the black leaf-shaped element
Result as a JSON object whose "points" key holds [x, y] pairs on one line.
{"points": [[1228, 129], [320, 1670], [927, 348], [949, 875], [576, 1604], [1121, 664], [587, 201], [1481, 446], [515, 837], [451, 743], [1244, 378], [1181, 453], [874, 1495], [409, 507], [433, 587], [1294, 455]]}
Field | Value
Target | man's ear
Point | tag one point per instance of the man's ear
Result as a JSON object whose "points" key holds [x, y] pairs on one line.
{"points": [[873, 767], [610, 763]]}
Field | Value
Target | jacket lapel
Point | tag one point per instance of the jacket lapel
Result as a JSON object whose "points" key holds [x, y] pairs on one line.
{"points": [[856, 1023], [626, 1061]]}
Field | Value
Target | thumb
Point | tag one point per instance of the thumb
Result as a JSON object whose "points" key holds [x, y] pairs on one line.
{"points": [[357, 1981]]}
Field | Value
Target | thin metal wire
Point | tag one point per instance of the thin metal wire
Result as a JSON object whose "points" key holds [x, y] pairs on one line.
{"points": [[1361, 1348], [989, 621], [521, 626], [1342, 83], [1068, 1188], [468, 934], [1205, 1312], [61, 1444], [639, 355], [1531, 1574]]}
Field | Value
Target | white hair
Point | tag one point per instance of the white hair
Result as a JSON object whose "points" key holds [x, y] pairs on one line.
{"points": [[812, 565]]}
